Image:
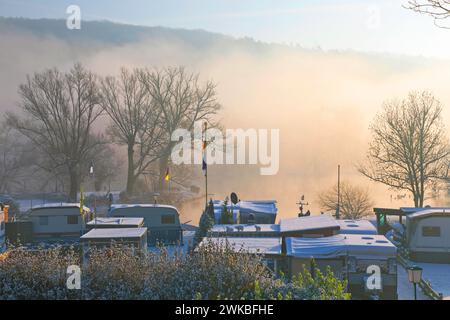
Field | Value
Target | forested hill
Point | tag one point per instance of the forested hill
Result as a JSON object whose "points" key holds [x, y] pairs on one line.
{"points": [[106, 32]]}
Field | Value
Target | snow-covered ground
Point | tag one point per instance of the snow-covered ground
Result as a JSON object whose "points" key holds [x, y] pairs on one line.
{"points": [[405, 289], [438, 275]]}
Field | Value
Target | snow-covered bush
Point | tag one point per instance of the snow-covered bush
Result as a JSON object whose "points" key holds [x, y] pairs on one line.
{"points": [[210, 272]]}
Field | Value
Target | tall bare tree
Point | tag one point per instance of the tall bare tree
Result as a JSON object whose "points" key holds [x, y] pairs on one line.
{"points": [[136, 120], [15, 158], [409, 150], [183, 101], [354, 203], [59, 111], [438, 9]]}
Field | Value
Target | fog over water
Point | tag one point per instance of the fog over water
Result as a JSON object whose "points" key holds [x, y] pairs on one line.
{"points": [[322, 103]]}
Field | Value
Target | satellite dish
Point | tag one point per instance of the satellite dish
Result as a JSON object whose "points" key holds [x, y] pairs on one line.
{"points": [[234, 198]]}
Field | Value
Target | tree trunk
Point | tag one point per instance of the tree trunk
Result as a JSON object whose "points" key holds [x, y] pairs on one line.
{"points": [[130, 176], [74, 185], [416, 200]]}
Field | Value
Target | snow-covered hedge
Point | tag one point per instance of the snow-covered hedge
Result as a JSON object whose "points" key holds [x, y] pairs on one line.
{"points": [[119, 273]]}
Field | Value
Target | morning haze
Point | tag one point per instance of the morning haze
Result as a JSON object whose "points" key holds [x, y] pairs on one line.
{"points": [[322, 101]]}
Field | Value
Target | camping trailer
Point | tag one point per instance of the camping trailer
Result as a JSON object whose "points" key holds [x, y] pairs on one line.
{"points": [[161, 221], [109, 223], [270, 248], [428, 235], [356, 227], [136, 238], [59, 220], [248, 212], [311, 227], [350, 256], [245, 230]]}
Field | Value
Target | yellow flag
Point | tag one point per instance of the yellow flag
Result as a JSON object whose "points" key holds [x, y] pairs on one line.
{"points": [[167, 177], [81, 201]]}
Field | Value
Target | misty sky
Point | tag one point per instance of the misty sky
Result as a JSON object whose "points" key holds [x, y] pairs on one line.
{"points": [[363, 25]]}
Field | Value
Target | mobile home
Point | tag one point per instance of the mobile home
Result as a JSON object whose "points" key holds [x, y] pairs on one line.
{"points": [[59, 220], [161, 221], [428, 235], [248, 212], [245, 230], [109, 223], [312, 226], [270, 248], [104, 237], [349, 257]]}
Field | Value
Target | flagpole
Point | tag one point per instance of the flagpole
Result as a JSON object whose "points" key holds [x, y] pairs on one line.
{"points": [[205, 164]]}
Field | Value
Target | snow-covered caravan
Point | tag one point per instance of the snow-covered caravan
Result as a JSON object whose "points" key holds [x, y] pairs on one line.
{"points": [[350, 257], [248, 212], [428, 235], [161, 221], [105, 237], [312, 227], [109, 223], [59, 220], [270, 248], [356, 227], [245, 230]]}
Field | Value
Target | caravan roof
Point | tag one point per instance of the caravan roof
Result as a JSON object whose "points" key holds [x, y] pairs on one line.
{"points": [[340, 245], [308, 224], [126, 206], [114, 233], [429, 212], [117, 221], [246, 228], [43, 209], [356, 227], [253, 206]]}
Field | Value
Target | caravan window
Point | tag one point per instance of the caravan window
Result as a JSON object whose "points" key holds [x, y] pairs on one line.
{"points": [[43, 220], [168, 219], [72, 219], [431, 231]]}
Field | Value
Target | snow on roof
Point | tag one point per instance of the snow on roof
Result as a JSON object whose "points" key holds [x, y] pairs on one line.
{"points": [[362, 245], [146, 205], [246, 227], [428, 212], [308, 223], [117, 221], [61, 205], [340, 245], [250, 245], [251, 206], [356, 227], [114, 233]]}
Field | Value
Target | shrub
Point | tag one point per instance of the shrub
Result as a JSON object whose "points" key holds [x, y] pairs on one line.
{"points": [[210, 272]]}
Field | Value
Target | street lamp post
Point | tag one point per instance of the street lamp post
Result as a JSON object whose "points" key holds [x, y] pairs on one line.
{"points": [[415, 276]]}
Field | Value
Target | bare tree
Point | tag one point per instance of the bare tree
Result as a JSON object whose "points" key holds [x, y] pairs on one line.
{"points": [[136, 120], [183, 101], [409, 150], [15, 157], [59, 111], [438, 9], [355, 201]]}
